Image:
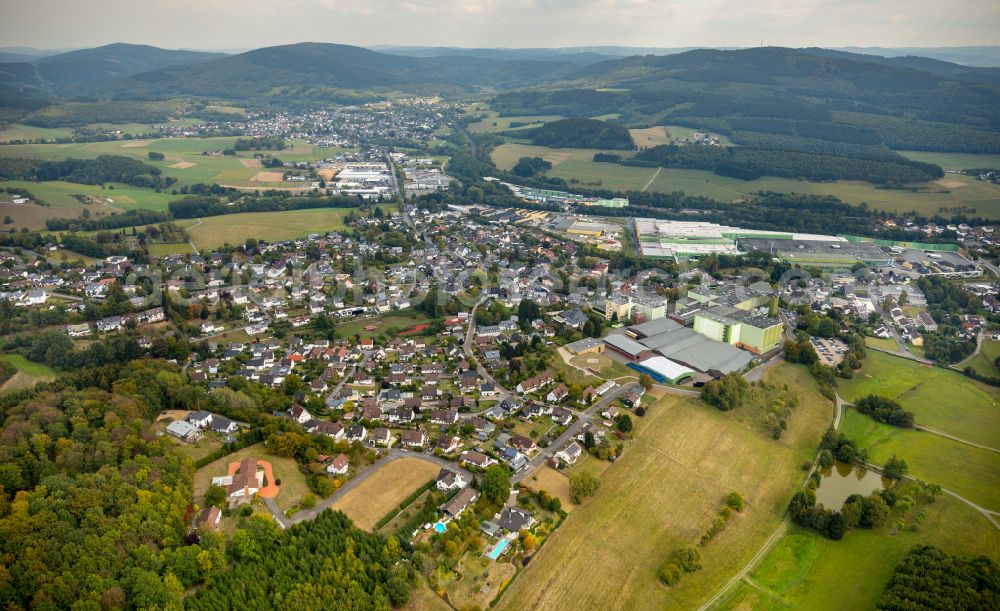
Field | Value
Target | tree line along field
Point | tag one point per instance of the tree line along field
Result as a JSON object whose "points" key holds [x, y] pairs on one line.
{"points": [[664, 493], [576, 166]]}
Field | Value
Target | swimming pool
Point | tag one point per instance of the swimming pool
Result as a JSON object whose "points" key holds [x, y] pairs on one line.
{"points": [[440, 527], [498, 549]]}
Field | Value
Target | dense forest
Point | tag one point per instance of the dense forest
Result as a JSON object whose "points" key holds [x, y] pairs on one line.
{"points": [[581, 133], [748, 163], [928, 578], [106, 168], [323, 564]]}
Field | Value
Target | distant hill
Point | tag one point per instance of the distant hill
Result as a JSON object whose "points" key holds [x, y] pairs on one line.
{"points": [[113, 61], [581, 133], [319, 69], [937, 67], [574, 56]]}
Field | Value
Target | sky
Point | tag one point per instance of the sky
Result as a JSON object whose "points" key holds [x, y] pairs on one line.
{"points": [[246, 24]]}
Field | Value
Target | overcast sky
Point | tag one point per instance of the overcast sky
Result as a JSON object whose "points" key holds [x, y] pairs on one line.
{"points": [[237, 24]]}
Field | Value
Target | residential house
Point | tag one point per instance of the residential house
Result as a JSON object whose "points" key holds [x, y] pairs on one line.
{"points": [[339, 465]]}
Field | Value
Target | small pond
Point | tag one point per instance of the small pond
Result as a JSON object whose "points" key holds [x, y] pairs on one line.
{"points": [[841, 480]]}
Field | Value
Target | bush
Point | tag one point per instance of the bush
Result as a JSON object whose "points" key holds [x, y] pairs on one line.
{"points": [[687, 558], [669, 574], [735, 501]]}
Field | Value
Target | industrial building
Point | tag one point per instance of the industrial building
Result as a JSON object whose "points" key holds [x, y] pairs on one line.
{"points": [[663, 370], [824, 254], [665, 239], [747, 329], [685, 346], [627, 347]]}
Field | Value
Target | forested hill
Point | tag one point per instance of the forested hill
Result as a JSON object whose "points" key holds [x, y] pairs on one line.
{"points": [[310, 69], [581, 133], [787, 99]]}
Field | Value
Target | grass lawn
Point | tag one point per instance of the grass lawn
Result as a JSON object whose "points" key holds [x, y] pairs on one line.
{"points": [[939, 398], [480, 580], [965, 470], [384, 490], [215, 231], [161, 250], [574, 376], [423, 599], [60, 194], [402, 320], [293, 482], [882, 343], [663, 493], [28, 373], [983, 362], [552, 481], [808, 571]]}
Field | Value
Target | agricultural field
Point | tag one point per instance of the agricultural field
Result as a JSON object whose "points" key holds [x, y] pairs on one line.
{"points": [[183, 158], [650, 136], [663, 493], [576, 166], [33, 217], [384, 490], [293, 482], [808, 571], [971, 472], [214, 231], [162, 249], [60, 194], [28, 373], [939, 398], [19, 131], [954, 161], [678, 132], [494, 123]]}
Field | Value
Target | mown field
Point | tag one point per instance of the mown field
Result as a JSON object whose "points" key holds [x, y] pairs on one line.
{"points": [[61, 194], [494, 123], [939, 398], [214, 231], [983, 362], [401, 320], [926, 198], [663, 493], [384, 490], [808, 571], [971, 472]]}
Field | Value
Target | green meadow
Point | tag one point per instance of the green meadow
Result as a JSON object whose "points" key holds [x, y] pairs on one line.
{"points": [[939, 398]]}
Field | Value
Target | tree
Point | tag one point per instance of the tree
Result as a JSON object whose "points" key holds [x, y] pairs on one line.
{"points": [[215, 496], [582, 485], [646, 381], [928, 578], [725, 392], [669, 574], [496, 484], [895, 468], [623, 422]]}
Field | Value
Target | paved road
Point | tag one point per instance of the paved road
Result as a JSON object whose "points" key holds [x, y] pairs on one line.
{"points": [[572, 430], [392, 455], [502, 393]]}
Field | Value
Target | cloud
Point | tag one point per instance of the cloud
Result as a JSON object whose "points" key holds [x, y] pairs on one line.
{"points": [[503, 23]]}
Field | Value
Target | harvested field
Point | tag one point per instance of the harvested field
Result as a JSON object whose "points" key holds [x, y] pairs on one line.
{"points": [[182, 165], [327, 173], [650, 136], [267, 177], [250, 163], [950, 184], [384, 490], [664, 492], [131, 144]]}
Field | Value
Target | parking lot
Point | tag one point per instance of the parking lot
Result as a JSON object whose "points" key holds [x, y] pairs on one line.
{"points": [[830, 351]]}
